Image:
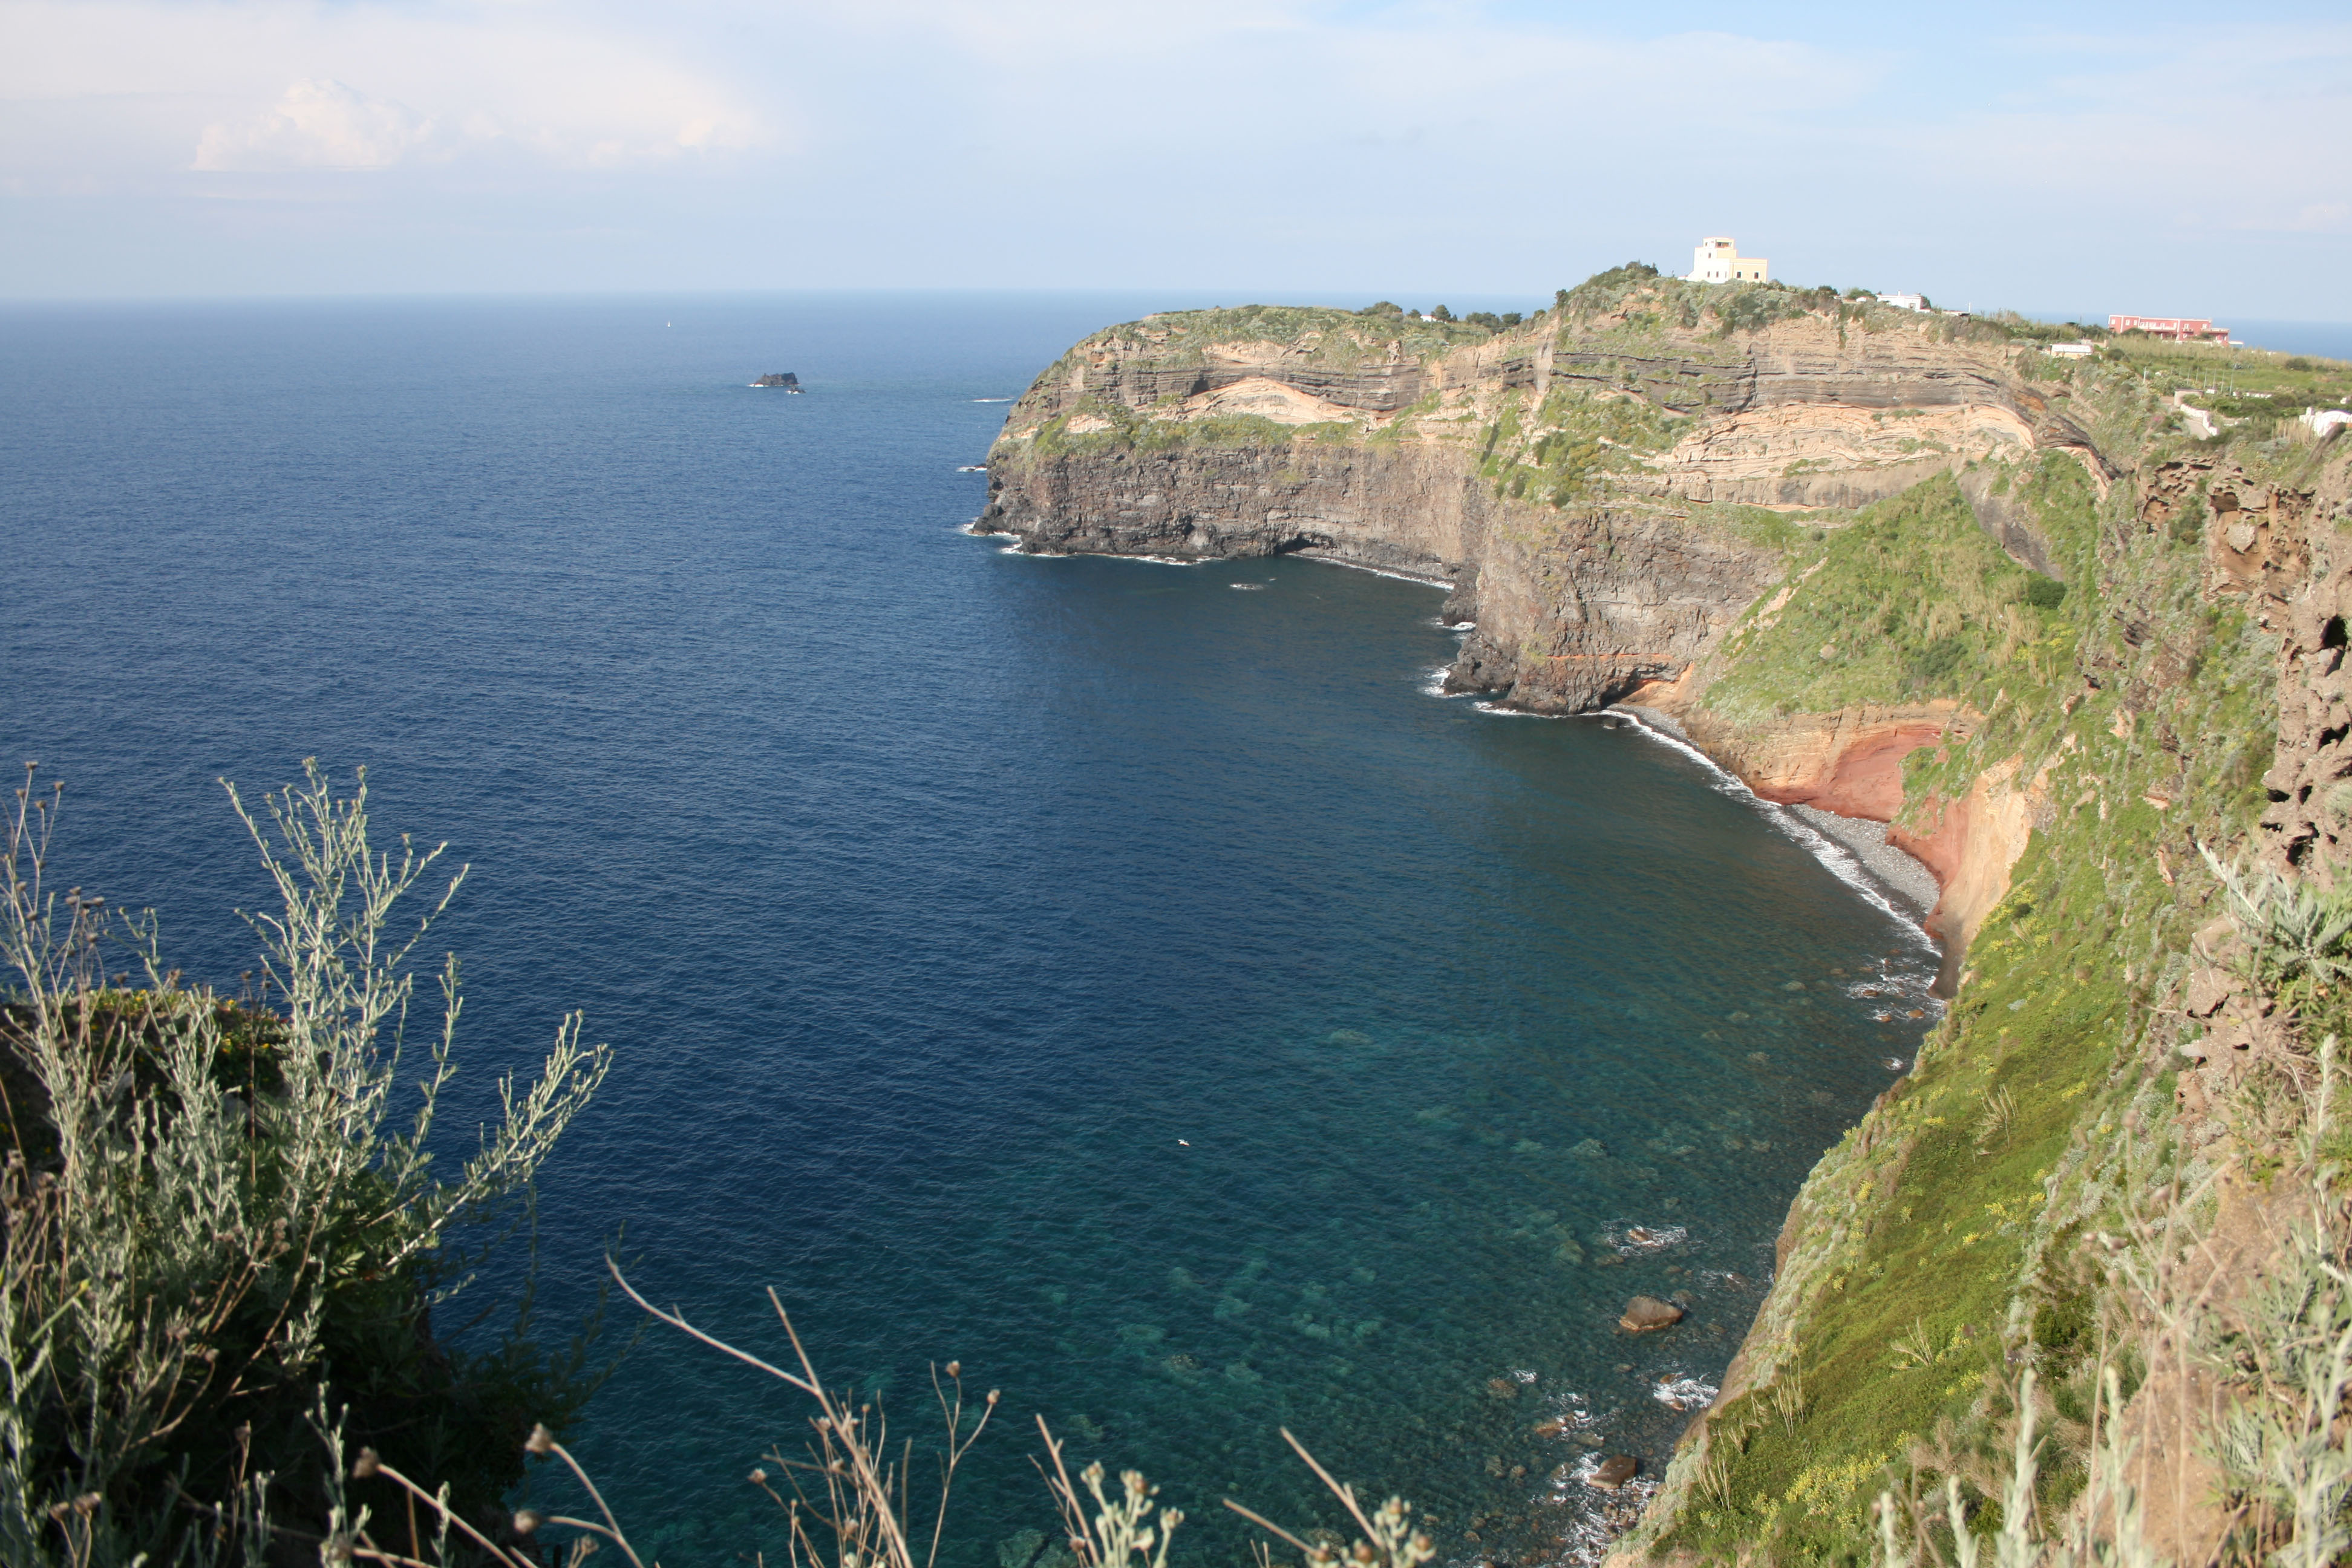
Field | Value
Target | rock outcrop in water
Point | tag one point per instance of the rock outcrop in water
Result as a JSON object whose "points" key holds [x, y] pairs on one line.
{"points": [[1899, 567]]}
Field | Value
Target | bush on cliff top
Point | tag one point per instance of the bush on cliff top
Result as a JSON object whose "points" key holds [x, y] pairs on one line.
{"points": [[224, 1235], [1604, 290], [1325, 336]]}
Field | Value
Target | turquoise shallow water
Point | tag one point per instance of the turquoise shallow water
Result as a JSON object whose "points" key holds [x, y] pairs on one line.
{"points": [[1138, 986]]}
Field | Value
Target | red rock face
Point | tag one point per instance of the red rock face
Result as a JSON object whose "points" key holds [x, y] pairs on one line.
{"points": [[1852, 765], [1943, 849]]}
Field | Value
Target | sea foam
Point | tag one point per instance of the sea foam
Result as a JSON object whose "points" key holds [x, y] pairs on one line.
{"points": [[1424, 579], [1435, 684], [1683, 1392]]}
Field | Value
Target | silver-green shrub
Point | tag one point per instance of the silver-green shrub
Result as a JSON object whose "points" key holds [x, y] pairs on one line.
{"points": [[214, 1212]]}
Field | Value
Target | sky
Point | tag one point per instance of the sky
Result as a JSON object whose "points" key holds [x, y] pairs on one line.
{"points": [[2158, 158]]}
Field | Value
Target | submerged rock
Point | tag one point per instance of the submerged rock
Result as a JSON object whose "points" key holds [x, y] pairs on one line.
{"points": [[1645, 1314]]}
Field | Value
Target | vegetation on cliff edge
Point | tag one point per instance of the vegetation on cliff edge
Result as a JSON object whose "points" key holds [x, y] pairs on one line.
{"points": [[1947, 1244], [226, 1232]]}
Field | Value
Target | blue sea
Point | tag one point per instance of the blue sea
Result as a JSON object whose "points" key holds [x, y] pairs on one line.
{"points": [[1130, 980]]}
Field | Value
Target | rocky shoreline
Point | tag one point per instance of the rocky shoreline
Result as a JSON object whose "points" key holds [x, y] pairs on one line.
{"points": [[1911, 884], [1907, 877]]}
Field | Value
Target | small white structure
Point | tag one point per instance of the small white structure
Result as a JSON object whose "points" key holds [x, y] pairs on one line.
{"points": [[1905, 302], [2204, 423], [1717, 259], [2071, 351], [2320, 421]]}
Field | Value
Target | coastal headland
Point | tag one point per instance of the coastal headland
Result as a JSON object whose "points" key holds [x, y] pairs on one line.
{"points": [[1908, 568]]}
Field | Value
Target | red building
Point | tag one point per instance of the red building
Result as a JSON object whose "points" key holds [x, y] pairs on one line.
{"points": [[2179, 329]]}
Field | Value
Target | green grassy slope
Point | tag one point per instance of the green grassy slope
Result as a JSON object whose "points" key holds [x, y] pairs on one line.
{"points": [[1908, 600], [1940, 1248]]}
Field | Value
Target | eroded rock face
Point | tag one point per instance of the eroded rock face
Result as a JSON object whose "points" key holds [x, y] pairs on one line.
{"points": [[2001, 513], [1598, 605], [2257, 549], [1155, 439], [1395, 510], [1849, 762]]}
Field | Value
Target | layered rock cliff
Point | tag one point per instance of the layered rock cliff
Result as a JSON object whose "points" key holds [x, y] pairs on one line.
{"points": [[1902, 568], [1583, 481]]}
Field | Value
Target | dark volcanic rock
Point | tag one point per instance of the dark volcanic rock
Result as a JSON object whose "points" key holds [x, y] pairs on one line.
{"points": [[1613, 1472]]}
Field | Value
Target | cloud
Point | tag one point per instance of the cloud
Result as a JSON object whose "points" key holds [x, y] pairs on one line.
{"points": [[317, 125], [2227, 127], [1384, 145], [375, 84]]}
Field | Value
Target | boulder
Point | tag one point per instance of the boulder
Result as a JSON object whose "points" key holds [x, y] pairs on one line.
{"points": [[1613, 1472], [1645, 1314], [2208, 989]]}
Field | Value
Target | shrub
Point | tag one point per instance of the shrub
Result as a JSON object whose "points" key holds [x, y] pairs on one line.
{"points": [[2299, 934], [2188, 525], [848, 1497], [1604, 289], [220, 1224], [1753, 307], [1934, 664]]}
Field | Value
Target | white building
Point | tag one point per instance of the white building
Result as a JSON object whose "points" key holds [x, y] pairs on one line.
{"points": [[1905, 302], [1718, 260], [2071, 351]]}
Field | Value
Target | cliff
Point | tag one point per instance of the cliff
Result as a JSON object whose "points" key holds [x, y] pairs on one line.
{"points": [[1902, 568]]}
